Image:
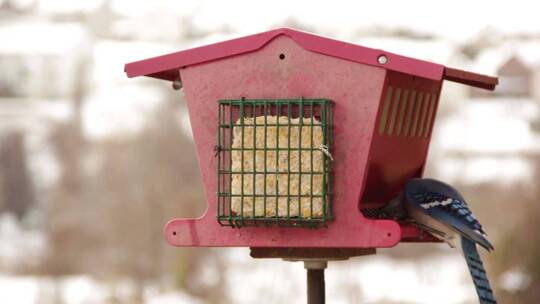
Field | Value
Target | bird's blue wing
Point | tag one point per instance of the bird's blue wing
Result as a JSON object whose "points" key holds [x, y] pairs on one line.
{"points": [[445, 204]]}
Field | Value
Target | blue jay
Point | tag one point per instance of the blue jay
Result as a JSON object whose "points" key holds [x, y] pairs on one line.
{"points": [[441, 210]]}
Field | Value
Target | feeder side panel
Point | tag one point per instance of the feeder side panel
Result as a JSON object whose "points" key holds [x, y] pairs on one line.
{"points": [[355, 90], [401, 136], [401, 141]]}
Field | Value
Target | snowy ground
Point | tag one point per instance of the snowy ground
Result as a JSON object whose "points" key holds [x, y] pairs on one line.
{"points": [[376, 279], [372, 279], [76, 290]]}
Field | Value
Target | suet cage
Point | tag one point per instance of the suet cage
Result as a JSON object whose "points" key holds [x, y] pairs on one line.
{"points": [[274, 162]]}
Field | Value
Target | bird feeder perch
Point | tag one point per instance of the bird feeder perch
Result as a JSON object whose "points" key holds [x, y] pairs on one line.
{"points": [[300, 137]]}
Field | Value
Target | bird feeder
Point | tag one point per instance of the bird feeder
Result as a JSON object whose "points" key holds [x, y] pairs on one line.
{"points": [[300, 137]]}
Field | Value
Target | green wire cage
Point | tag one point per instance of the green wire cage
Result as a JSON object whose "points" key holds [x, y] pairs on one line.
{"points": [[274, 162]]}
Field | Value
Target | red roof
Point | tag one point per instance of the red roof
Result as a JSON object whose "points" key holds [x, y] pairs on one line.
{"points": [[166, 66]]}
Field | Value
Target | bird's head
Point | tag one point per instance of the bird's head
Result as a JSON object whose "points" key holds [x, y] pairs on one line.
{"points": [[394, 209]]}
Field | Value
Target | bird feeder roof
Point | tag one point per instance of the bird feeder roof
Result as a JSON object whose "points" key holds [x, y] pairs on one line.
{"points": [[166, 66]]}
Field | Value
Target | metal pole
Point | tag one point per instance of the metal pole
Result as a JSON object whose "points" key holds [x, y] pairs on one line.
{"points": [[315, 286], [315, 281]]}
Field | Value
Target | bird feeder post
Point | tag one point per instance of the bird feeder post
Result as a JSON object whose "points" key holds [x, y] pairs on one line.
{"points": [[299, 139], [315, 281]]}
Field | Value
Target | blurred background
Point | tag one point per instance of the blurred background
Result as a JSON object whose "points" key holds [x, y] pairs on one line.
{"points": [[93, 164]]}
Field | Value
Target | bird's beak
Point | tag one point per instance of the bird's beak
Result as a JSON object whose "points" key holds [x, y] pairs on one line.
{"points": [[394, 209]]}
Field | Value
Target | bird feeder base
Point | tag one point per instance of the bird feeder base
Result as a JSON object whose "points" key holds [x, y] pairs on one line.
{"points": [[306, 254]]}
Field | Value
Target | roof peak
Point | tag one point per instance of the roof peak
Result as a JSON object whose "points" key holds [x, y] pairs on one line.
{"points": [[166, 66]]}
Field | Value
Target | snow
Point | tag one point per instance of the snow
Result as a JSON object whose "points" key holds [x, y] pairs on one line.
{"points": [[118, 105], [140, 8], [457, 20], [32, 116], [491, 126], [20, 290], [110, 56], [18, 246], [77, 290], [33, 37], [119, 112], [514, 280], [172, 298], [82, 289], [482, 169], [442, 279], [67, 6], [486, 139], [372, 279], [490, 60]]}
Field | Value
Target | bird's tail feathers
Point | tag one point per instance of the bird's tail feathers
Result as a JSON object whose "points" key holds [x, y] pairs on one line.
{"points": [[478, 273]]}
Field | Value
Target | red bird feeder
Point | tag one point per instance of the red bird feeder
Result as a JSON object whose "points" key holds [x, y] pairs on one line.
{"points": [[299, 137]]}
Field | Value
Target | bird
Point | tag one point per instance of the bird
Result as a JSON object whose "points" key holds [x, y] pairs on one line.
{"points": [[441, 210]]}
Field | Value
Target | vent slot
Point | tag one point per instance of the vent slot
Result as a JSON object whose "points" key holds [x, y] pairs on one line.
{"points": [[407, 113]]}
